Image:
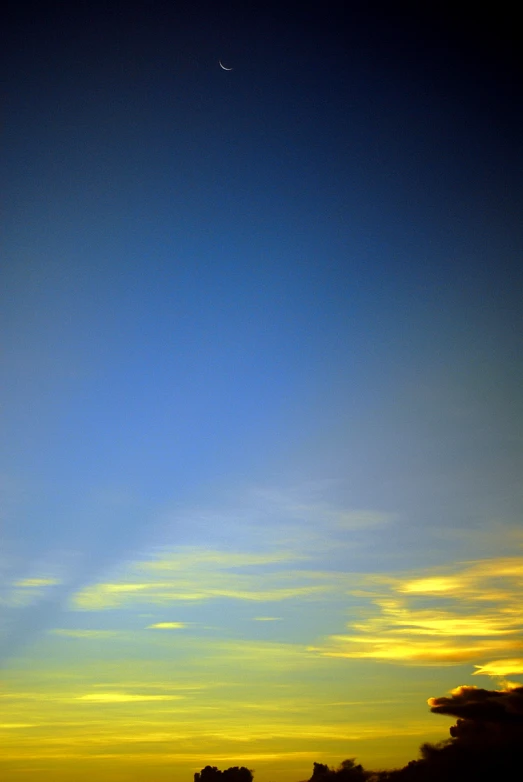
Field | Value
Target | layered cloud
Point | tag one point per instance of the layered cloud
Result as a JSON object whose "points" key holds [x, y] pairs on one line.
{"points": [[466, 615], [273, 537], [191, 574]]}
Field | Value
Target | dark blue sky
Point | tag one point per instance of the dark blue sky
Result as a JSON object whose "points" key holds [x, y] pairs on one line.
{"points": [[189, 250]]}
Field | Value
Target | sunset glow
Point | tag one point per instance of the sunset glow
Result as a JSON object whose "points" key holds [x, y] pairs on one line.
{"points": [[262, 389]]}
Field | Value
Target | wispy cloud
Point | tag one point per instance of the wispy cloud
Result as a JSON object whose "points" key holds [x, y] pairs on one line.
{"points": [[469, 613], [16, 725], [395, 648], [89, 634], [167, 626], [105, 596], [36, 582], [505, 667], [25, 592], [300, 521], [304, 519], [271, 534], [124, 697], [262, 655], [171, 560], [200, 575]]}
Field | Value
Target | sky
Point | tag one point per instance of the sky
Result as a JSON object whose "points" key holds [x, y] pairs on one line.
{"points": [[262, 436]]}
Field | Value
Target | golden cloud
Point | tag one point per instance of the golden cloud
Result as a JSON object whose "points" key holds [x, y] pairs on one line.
{"points": [[167, 626], [436, 622], [501, 667], [481, 618], [427, 586], [414, 651], [17, 725]]}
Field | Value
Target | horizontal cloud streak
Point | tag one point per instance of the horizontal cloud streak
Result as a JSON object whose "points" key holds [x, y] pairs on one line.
{"points": [[124, 697], [167, 626], [500, 667], [409, 625], [196, 575]]}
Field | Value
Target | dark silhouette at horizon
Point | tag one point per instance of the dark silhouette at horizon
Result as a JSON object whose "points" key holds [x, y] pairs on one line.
{"points": [[484, 745], [233, 774]]}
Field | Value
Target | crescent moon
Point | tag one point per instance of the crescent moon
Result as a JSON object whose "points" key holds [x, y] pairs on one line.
{"points": [[223, 66]]}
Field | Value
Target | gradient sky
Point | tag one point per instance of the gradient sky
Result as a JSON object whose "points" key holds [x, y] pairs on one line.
{"points": [[262, 436]]}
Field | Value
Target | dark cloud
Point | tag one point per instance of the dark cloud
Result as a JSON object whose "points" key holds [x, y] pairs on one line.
{"points": [[475, 703], [484, 744]]}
